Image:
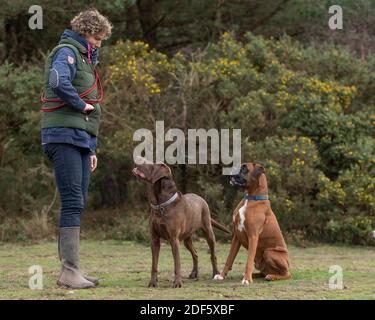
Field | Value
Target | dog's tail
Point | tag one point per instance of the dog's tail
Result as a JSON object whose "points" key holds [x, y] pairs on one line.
{"points": [[220, 226]]}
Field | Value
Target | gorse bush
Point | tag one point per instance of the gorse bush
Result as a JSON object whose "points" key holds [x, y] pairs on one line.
{"points": [[306, 114], [309, 123]]}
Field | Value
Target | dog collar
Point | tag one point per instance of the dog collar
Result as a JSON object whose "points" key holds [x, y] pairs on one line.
{"points": [[165, 204], [256, 198]]}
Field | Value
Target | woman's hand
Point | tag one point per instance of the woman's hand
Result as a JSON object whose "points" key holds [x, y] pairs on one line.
{"points": [[88, 107], [93, 162]]}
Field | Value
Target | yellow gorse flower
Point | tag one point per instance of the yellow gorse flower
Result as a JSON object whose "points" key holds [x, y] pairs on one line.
{"points": [[138, 63]]}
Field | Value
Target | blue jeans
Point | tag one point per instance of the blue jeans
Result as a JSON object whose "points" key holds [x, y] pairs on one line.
{"points": [[71, 165]]}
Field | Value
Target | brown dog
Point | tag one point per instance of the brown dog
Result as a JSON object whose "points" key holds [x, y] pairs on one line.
{"points": [[256, 228], [175, 217]]}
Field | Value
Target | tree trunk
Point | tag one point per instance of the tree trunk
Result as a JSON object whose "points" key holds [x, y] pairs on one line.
{"points": [[148, 17]]}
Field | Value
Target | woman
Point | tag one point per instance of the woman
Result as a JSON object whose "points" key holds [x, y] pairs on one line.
{"points": [[70, 124]]}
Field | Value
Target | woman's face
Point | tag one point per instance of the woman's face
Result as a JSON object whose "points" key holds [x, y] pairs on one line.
{"points": [[95, 40]]}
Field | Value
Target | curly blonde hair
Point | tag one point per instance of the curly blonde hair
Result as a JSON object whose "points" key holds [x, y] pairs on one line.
{"points": [[91, 22]]}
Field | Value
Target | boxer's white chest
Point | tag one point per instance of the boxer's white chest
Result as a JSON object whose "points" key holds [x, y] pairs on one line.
{"points": [[242, 212]]}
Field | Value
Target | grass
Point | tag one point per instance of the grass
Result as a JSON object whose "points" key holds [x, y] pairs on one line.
{"points": [[124, 268]]}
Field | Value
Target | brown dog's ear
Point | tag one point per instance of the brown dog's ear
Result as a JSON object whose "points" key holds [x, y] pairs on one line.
{"points": [[161, 171], [257, 173], [261, 168]]}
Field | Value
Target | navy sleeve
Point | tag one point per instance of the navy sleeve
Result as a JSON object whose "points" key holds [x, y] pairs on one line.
{"points": [[61, 76], [93, 143]]}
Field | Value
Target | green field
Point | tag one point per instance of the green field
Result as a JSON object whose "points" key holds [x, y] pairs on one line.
{"points": [[124, 270]]}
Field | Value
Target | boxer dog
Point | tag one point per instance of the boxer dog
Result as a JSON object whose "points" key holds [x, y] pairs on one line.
{"points": [[256, 228]]}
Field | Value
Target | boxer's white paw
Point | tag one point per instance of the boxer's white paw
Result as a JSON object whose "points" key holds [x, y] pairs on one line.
{"points": [[269, 277], [218, 277], [245, 282]]}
